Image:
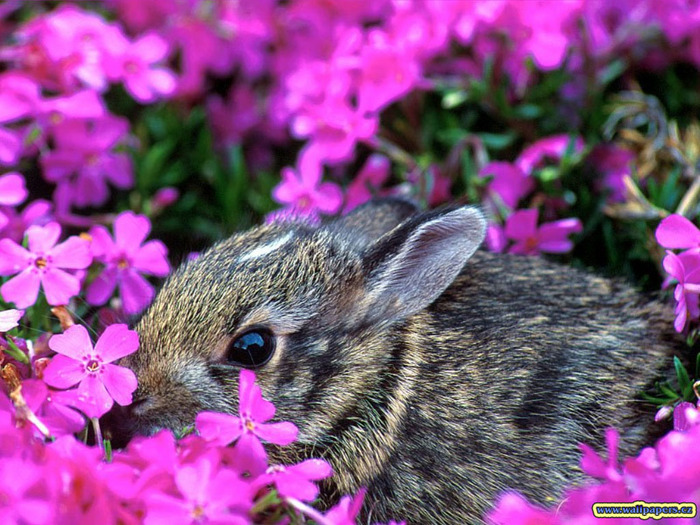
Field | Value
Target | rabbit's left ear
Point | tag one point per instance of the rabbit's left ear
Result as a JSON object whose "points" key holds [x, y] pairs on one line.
{"points": [[411, 266], [366, 223]]}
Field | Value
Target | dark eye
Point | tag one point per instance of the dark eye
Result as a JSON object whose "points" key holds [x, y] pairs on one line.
{"points": [[251, 349]]}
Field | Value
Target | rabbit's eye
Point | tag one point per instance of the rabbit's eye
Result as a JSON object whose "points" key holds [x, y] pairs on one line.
{"points": [[251, 349]]}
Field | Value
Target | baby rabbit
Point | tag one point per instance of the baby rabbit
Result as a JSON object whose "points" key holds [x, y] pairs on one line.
{"points": [[434, 374]]}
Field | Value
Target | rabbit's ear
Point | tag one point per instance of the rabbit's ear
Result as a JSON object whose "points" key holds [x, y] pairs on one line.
{"points": [[410, 267], [366, 223]]}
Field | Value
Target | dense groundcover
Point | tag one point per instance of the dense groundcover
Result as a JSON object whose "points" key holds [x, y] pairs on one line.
{"points": [[135, 132]]}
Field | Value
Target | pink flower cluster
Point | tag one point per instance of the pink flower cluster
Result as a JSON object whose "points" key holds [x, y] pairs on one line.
{"points": [[56, 70], [668, 472], [155, 479], [60, 268], [678, 233], [325, 71], [508, 184]]}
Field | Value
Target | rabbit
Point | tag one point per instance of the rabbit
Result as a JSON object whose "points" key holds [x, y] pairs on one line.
{"points": [[433, 373]]}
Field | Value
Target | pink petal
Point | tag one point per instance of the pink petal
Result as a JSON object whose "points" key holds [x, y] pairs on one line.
{"points": [[9, 319], [130, 230], [10, 147], [677, 232], [292, 486], [59, 286], [312, 469], [102, 244], [556, 246], [64, 372], [193, 479], [246, 390], [97, 396], [162, 81], [82, 104], [282, 433], [559, 229], [102, 288], [22, 289], [150, 48], [74, 342], [309, 168], [139, 88], [522, 224], [73, 253], [136, 292], [13, 258], [42, 238], [152, 259], [12, 189], [260, 409], [674, 266], [289, 190], [120, 383], [329, 197], [163, 508], [115, 342], [221, 429]]}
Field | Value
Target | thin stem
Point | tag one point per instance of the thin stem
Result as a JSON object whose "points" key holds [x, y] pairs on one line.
{"points": [[308, 511], [98, 432], [690, 198]]}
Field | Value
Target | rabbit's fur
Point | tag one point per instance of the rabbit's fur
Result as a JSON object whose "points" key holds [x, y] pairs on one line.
{"points": [[434, 374]]}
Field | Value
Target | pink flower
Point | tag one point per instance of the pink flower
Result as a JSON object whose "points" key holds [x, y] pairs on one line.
{"points": [[41, 265], [296, 481], [677, 232], [333, 128], [135, 66], [53, 408], [12, 189], [302, 188], [387, 72], [509, 183], [553, 147], [9, 319], [209, 494], [521, 227], [593, 465], [373, 174], [125, 259], [37, 212], [685, 268], [347, 509], [614, 163], [254, 412], [101, 382], [513, 509], [680, 417], [84, 161]]}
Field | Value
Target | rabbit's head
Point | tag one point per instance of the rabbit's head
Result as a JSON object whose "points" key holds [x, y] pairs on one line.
{"points": [[313, 310]]}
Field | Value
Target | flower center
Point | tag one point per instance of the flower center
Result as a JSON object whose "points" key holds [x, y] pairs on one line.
{"points": [[122, 263], [93, 365], [304, 202], [40, 262], [531, 243], [197, 512], [131, 67], [249, 425]]}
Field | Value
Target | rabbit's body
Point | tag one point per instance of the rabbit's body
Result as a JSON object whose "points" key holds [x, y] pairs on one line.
{"points": [[434, 383]]}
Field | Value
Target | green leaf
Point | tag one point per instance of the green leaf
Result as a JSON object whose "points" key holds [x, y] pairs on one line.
{"points": [[684, 382], [496, 141]]}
